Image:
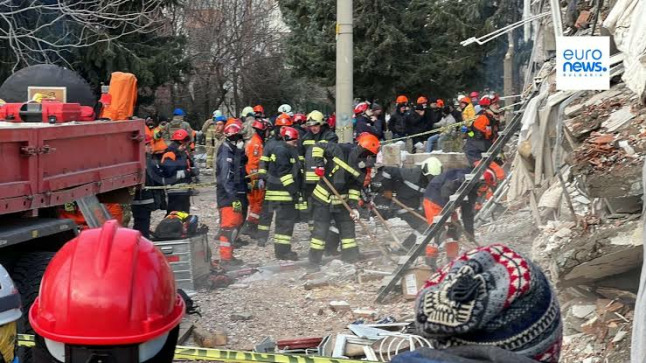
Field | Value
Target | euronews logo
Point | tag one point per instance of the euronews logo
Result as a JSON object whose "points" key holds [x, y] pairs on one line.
{"points": [[582, 63]]}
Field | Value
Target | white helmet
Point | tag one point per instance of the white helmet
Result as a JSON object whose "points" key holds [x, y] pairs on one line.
{"points": [[10, 297], [217, 113], [432, 166], [285, 108]]}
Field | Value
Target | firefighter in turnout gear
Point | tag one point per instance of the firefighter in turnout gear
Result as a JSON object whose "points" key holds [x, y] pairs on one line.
{"points": [[256, 195], [318, 133], [231, 191], [283, 120], [347, 167], [283, 194]]}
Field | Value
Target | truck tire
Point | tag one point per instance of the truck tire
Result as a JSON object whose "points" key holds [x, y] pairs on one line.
{"points": [[27, 273]]}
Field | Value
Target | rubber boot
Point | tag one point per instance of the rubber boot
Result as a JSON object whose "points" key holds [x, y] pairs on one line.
{"points": [[249, 229], [332, 244], [284, 252], [315, 257], [262, 241], [350, 255]]}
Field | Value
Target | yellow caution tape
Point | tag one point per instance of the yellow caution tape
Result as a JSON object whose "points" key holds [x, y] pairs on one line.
{"points": [[224, 355]]}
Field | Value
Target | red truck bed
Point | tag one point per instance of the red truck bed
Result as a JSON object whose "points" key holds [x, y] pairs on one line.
{"points": [[47, 165]]}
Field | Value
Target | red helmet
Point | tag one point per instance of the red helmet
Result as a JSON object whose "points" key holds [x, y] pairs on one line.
{"points": [[289, 133], [489, 177], [422, 100], [361, 108], [232, 129], [440, 103], [259, 109], [260, 125], [108, 286], [369, 142], [474, 94], [180, 135], [485, 101], [284, 120], [300, 118], [401, 99]]}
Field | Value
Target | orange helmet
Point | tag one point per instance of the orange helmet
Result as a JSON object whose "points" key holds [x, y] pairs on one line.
{"points": [[490, 178], [233, 120], [422, 100], [401, 99], [485, 101], [369, 142], [284, 120], [179, 135], [259, 109], [260, 125]]}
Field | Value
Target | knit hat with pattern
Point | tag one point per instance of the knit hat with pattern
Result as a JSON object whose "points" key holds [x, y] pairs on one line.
{"points": [[492, 296]]}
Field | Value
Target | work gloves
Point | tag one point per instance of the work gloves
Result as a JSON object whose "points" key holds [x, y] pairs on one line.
{"points": [[181, 174], [354, 215], [319, 171], [237, 206]]}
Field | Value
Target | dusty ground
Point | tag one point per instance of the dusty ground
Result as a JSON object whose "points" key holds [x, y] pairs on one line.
{"points": [[281, 307]]}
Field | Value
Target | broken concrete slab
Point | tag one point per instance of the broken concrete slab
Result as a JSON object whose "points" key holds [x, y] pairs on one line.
{"points": [[365, 313], [618, 119], [624, 205], [574, 110], [622, 181], [339, 306], [313, 284], [616, 294], [600, 97]]}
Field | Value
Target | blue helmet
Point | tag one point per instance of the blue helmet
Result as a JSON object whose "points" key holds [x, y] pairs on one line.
{"points": [[221, 118], [179, 112]]}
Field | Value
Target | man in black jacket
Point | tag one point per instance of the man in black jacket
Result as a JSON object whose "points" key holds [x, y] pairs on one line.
{"points": [[145, 200], [399, 118]]}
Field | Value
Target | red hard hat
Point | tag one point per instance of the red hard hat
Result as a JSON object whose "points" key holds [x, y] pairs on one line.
{"points": [[440, 103], [475, 94], [300, 118], [361, 108], [490, 178], [369, 142], [289, 133], [179, 135], [232, 129], [422, 100], [259, 109], [260, 125], [108, 286], [284, 120], [401, 99], [485, 101]]}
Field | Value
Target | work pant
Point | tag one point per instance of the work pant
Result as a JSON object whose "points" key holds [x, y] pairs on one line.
{"points": [[431, 210], [256, 198], [141, 216], [264, 223], [230, 221], [324, 214], [286, 218], [332, 240], [474, 149], [178, 202], [431, 142]]}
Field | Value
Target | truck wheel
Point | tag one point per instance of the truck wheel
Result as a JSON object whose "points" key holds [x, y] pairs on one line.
{"points": [[27, 273]]}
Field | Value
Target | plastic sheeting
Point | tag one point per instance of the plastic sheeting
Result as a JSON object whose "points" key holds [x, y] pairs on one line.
{"points": [[626, 23]]}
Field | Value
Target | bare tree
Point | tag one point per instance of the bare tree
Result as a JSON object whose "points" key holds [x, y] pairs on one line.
{"points": [[36, 31]]}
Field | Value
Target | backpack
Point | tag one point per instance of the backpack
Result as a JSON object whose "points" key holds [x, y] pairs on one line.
{"points": [[176, 225]]}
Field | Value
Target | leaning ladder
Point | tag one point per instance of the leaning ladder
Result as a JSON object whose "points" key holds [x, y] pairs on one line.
{"points": [[454, 202]]}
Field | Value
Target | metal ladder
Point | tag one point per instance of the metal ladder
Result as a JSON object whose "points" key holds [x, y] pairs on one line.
{"points": [[94, 212], [454, 202]]}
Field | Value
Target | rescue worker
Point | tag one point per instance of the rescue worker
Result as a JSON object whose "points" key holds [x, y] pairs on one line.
{"points": [[212, 129], [399, 118], [437, 195], [432, 115], [365, 120], [408, 186], [416, 121], [482, 133], [175, 124], [231, 191], [113, 298], [158, 145], [146, 201], [468, 112], [318, 133], [10, 306], [256, 195], [283, 120], [178, 168], [347, 167], [247, 117], [284, 180], [299, 121]]}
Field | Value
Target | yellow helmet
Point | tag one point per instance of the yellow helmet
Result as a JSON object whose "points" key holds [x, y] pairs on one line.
{"points": [[315, 118]]}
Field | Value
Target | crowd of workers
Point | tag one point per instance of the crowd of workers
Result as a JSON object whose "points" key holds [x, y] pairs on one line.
{"points": [[292, 167]]}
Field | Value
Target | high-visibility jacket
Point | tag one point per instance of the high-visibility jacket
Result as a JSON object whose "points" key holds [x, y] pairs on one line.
{"points": [[341, 162], [485, 127], [254, 151], [268, 148], [469, 113], [284, 181], [307, 144], [230, 174], [158, 143]]}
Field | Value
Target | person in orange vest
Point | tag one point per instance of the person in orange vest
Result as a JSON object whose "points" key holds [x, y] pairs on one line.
{"points": [[155, 134], [256, 195]]}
